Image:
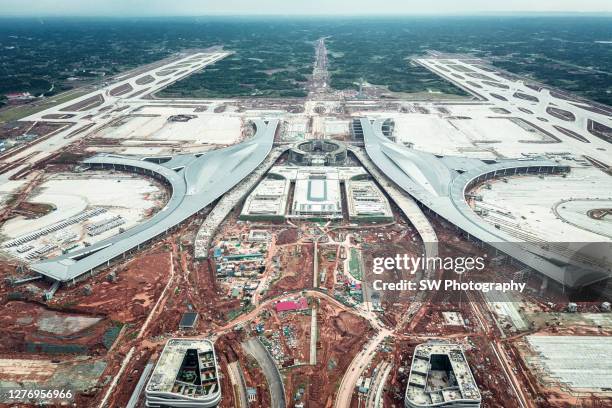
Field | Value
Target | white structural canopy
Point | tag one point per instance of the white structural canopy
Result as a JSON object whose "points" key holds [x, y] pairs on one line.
{"points": [[196, 180], [440, 184]]}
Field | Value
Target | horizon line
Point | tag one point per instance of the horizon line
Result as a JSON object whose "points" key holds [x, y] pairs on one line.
{"points": [[310, 15]]}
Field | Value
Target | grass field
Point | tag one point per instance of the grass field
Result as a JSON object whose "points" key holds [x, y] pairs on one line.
{"points": [[355, 265], [20, 112]]}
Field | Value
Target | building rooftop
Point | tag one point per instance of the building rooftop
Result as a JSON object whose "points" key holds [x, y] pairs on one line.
{"points": [[186, 370], [268, 198], [440, 374], [188, 320], [365, 199], [317, 197], [291, 306], [589, 367]]}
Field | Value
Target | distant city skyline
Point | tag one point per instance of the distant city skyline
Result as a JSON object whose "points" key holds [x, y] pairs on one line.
{"points": [[282, 7]]}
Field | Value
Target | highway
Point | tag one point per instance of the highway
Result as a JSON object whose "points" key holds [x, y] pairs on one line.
{"points": [[361, 361], [275, 383], [378, 385]]}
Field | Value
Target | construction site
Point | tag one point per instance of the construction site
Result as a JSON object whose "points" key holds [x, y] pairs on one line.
{"points": [[221, 252]]}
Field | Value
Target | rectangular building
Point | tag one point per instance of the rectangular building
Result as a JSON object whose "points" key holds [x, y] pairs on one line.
{"points": [[185, 376], [440, 376], [317, 195], [366, 203], [267, 201]]}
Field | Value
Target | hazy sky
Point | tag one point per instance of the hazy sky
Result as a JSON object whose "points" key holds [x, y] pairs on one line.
{"points": [[204, 7]]}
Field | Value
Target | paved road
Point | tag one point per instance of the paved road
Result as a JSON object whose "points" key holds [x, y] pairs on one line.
{"points": [[313, 337], [361, 360], [275, 383], [235, 373], [378, 385], [315, 265]]}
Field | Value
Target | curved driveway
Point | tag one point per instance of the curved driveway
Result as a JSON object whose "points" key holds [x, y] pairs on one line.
{"points": [[275, 383]]}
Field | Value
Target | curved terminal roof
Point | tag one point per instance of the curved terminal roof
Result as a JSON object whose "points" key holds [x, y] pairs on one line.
{"points": [[440, 184], [196, 181]]}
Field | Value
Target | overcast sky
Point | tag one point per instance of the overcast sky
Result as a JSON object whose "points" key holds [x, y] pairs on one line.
{"points": [[206, 7]]}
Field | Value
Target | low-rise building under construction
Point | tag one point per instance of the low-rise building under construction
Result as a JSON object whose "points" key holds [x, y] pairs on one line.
{"points": [[441, 377], [317, 195], [315, 192], [268, 200], [185, 376], [366, 202]]}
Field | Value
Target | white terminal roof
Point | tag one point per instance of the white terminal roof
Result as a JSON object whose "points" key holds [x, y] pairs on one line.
{"points": [[317, 188], [196, 181], [441, 184]]}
